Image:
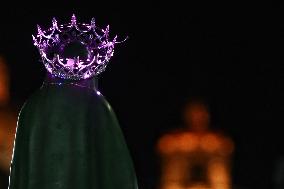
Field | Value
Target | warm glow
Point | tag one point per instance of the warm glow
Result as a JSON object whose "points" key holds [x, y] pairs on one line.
{"points": [[187, 142], [7, 119], [211, 143], [218, 173], [195, 158], [7, 134], [196, 116], [182, 142], [198, 186], [4, 82]]}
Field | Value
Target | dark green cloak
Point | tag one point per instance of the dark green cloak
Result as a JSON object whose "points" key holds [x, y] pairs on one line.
{"points": [[68, 137]]}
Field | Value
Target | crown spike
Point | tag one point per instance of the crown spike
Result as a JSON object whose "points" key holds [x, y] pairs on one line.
{"points": [[106, 31], [39, 30], [114, 39], [35, 40], [93, 23], [73, 20], [54, 23]]}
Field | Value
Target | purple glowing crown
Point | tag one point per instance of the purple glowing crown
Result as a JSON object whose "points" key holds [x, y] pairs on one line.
{"points": [[54, 42]]}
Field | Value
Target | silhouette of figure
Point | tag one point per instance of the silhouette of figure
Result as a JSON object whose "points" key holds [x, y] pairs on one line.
{"points": [[195, 157], [8, 121]]}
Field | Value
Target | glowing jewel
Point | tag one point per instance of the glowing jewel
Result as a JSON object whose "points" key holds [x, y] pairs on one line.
{"points": [[52, 44]]}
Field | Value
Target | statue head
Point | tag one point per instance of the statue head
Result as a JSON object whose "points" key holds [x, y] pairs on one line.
{"points": [[196, 115]]}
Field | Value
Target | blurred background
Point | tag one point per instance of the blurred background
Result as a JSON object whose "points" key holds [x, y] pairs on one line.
{"points": [[229, 56]]}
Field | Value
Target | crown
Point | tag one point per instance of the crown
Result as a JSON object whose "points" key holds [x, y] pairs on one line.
{"points": [[75, 50]]}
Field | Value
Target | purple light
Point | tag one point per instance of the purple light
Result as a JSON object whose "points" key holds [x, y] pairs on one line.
{"points": [[70, 62], [52, 42]]}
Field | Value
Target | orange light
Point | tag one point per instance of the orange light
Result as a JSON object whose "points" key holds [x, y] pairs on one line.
{"points": [[4, 82], [195, 158], [7, 119]]}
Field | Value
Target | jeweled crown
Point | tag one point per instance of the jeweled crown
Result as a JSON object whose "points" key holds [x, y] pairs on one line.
{"points": [[75, 50]]}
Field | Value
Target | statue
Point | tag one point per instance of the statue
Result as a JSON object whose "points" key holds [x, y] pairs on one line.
{"points": [[195, 157], [68, 136]]}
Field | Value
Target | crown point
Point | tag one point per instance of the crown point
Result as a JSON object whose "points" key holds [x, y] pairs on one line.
{"points": [[54, 23], [39, 30], [114, 40], [93, 22], [106, 30], [34, 39], [73, 19]]}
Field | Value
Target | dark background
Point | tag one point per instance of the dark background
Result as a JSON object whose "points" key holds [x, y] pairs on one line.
{"points": [[230, 54]]}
